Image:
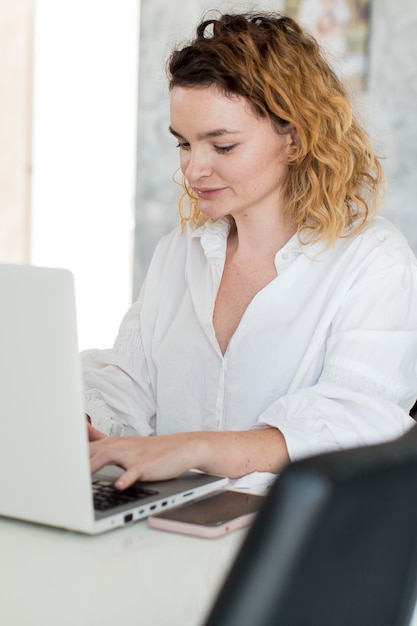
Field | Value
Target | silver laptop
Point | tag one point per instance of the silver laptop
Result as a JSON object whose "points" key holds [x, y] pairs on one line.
{"points": [[44, 463]]}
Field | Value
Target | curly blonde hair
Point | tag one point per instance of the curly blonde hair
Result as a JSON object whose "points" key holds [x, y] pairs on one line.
{"points": [[335, 179]]}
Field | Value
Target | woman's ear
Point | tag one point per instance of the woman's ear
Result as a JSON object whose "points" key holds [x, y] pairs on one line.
{"points": [[292, 144], [294, 138]]}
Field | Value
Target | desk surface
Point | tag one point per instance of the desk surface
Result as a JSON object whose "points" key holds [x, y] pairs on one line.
{"points": [[134, 575], [129, 576]]}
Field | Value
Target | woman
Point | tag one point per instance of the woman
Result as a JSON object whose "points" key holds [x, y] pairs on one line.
{"points": [[280, 319]]}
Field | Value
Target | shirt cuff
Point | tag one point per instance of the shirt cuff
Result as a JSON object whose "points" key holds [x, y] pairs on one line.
{"points": [[303, 437]]}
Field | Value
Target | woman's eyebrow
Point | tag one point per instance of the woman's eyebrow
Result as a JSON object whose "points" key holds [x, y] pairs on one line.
{"points": [[219, 132], [174, 132]]}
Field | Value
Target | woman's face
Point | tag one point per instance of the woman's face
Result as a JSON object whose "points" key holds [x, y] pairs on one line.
{"points": [[233, 160]]}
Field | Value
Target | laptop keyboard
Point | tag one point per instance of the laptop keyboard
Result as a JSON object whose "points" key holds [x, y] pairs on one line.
{"points": [[106, 496]]}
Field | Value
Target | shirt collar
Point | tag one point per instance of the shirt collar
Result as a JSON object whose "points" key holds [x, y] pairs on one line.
{"points": [[213, 236]]}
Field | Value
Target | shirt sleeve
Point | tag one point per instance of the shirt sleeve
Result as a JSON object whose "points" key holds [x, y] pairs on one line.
{"points": [[369, 379], [119, 383], [118, 393]]}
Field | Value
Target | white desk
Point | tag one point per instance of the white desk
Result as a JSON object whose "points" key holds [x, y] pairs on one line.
{"points": [[132, 576]]}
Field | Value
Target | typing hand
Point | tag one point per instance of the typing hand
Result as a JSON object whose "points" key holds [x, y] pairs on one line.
{"points": [[144, 458]]}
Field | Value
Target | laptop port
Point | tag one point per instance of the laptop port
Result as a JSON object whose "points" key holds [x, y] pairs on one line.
{"points": [[128, 518]]}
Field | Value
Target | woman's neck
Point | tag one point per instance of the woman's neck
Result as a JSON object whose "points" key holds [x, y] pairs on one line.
{"points": [[262, 237]]}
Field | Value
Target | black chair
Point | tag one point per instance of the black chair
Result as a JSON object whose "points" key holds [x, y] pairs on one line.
{"points": [[413, 410], [335, 544]]}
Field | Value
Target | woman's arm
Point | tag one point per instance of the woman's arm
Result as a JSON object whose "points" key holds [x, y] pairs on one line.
{"points": [[119, 383], [231, 454]]}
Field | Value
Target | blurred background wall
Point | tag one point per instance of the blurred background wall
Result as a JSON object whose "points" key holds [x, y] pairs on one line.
{"points": [[86, 162]]}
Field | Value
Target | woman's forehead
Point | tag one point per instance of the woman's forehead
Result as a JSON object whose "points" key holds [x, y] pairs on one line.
{"points": [[209, 103]]}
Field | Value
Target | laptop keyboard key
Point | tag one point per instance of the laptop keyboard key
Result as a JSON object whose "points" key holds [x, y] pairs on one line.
{"points": [[106, 496]]}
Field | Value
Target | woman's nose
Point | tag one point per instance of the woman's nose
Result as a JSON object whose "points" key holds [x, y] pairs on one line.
{"points": [[195, 165]]}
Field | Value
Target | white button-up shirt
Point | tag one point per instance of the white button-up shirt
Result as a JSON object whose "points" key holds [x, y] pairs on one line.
{"points": [[326, 352]]}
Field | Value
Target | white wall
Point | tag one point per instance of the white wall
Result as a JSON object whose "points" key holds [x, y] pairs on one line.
{"points": [[16, 23], [84, 153]]}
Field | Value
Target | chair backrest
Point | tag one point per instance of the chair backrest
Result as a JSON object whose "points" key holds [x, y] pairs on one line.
{"points": [[335, 544]]}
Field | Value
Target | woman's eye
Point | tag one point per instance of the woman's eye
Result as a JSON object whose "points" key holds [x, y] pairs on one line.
{"points": [[183, 145], [224, 149]]}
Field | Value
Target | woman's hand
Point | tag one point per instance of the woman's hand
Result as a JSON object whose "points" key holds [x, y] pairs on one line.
{"points": [[161, 457], [144, 458]]}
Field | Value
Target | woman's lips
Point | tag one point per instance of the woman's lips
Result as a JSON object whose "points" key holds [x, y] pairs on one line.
{"points": [[205, 192]]}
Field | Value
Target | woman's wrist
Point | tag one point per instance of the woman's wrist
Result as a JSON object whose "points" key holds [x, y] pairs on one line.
{"points": [[237, 453]]}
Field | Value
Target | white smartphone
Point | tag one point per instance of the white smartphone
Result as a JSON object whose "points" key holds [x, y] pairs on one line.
{"points": [[211, 516]]}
